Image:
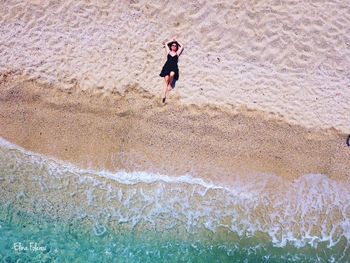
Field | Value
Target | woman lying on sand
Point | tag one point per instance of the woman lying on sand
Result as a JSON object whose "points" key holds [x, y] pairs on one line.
{"points": [[170, 69]]}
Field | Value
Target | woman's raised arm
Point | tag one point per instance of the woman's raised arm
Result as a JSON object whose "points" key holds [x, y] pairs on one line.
{"points": [[179, 51], [167, 49]]}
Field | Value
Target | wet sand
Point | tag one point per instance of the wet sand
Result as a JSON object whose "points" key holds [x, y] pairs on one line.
{"points": [[134, 131]]}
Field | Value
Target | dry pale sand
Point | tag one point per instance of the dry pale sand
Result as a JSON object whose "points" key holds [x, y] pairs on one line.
{"points": [[291, 58], [135, 131]]}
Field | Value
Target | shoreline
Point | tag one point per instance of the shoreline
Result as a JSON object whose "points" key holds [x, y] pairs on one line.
{"points": [[134, 131], [99, 202]]}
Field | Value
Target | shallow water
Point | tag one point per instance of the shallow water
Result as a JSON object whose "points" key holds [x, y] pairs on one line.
{"points": [[54, 212]]}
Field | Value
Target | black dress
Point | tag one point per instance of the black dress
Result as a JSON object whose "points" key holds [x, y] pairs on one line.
{"points": [[170, 65]]}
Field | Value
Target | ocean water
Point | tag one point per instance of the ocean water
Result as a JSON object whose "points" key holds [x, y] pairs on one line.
{"points": [[51, 211]]}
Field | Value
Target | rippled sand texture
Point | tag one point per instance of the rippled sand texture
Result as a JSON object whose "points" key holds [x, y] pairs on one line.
{"points": [[286, 57]]}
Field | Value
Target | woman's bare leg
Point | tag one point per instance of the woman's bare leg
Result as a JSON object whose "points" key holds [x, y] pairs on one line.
{"points": [[166, 83]]}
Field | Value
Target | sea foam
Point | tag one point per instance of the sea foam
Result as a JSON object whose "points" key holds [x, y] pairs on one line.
{"points": [[311, 210]]}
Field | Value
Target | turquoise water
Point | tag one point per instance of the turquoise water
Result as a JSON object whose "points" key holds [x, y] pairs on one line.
{"points": [[54, 212], [48, 242]]}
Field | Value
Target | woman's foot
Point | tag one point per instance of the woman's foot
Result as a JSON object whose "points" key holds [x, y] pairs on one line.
{"points": [[163, 100]]}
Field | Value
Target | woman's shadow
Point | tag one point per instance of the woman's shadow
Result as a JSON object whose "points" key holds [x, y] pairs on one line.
{"points": [[173, 84]]}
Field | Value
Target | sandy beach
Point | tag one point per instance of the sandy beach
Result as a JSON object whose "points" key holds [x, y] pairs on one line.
{"points": [[289, 58], [136, 132], [246, 162]]}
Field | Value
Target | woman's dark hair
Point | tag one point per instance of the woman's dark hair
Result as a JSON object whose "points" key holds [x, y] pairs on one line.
{"points": [[174, 42]]}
